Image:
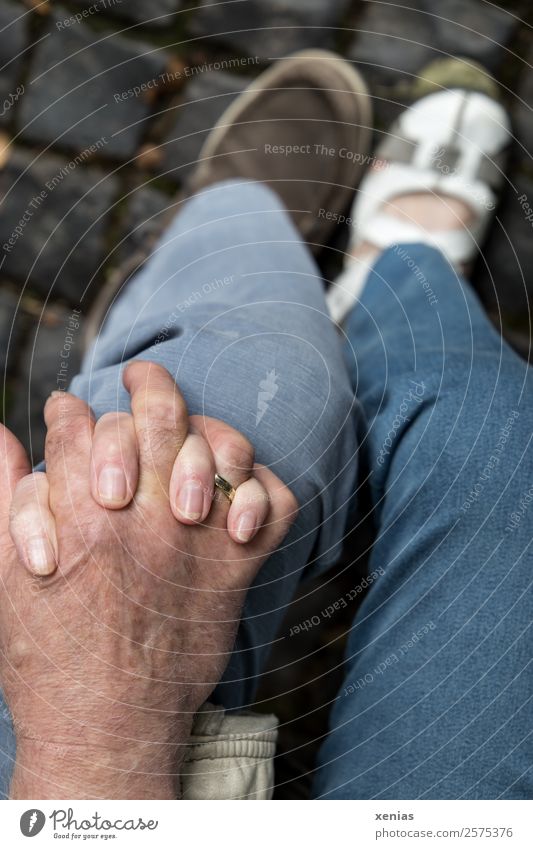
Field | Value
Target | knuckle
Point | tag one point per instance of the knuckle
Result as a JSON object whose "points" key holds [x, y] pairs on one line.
{"points": [[67, 434], [114, 437], [236, 452], [55, 441], [157, 409], [195, 464], [63, 406], [76, 437], [157, 441]]}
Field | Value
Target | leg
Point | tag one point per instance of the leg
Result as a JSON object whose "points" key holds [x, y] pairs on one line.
{"points": [[232, 299], [232, 304], [7, 748], [436, 701]]}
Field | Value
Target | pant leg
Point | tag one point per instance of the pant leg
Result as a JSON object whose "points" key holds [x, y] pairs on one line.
{"points": [[437, 696], [231, 304], [7, 748]]}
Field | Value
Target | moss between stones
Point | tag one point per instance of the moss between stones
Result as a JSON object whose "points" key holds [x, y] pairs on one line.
{"points": [[454, 73]]}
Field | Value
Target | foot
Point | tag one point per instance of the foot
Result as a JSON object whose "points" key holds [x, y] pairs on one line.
{"points": [[303, 128], [429, 211], [442, 165]]}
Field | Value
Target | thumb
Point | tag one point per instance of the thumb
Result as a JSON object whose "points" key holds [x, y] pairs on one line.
{"points": [[14, 465]]}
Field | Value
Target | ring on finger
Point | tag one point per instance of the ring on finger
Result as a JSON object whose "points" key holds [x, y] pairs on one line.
{"points": [[224, 486]]}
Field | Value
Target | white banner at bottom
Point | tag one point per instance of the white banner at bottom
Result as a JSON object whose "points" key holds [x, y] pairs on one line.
{"points": [[269, 825]]}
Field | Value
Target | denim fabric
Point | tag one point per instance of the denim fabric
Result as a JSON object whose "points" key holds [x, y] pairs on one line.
{"points": [[232, 304], [437, 697], [436, 701]]}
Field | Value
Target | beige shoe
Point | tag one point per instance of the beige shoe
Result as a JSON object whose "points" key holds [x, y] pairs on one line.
{"points": [[304, 127]]}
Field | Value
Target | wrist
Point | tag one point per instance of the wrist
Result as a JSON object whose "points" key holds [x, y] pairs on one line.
{"points": [[97, 748], [85, 763], [45, 771]]}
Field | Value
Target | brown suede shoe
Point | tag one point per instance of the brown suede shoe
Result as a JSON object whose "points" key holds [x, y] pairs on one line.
{"points": [[304, 128]]}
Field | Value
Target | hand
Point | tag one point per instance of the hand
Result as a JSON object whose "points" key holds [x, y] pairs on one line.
{"points": [[114, 478], [107, 660], [206, 450]]}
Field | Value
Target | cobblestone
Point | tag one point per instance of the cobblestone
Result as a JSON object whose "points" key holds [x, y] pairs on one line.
{"points": [[41, 371], [270, 28], [396, 43], [156, 14], [98, 95], [12, 44], [82, 90], [9, 328], [473, 29], [505, 277], [53, 222], [141, 219], [523, 116], [95, 92]]}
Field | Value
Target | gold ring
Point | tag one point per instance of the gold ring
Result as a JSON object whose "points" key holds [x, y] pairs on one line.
{"points": [[225, 487]]}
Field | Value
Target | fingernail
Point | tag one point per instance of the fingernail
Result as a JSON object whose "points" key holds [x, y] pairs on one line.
{"points": [[55, 394], [41, 556], [191, 500], [112, 484], [246, 526]]}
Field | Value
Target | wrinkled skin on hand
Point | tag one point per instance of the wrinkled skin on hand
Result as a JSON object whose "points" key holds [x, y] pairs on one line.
{"points": [[116, 651]]}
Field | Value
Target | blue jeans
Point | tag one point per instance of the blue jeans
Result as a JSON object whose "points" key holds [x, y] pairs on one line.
{"points": [[435, 698]]}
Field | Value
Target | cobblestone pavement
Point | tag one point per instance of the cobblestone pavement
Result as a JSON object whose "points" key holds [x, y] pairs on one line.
{"points": [[103, 111]]}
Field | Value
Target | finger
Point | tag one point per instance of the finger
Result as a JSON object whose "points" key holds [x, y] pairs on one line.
{"points": [[233, 452], [161, 423], [234, 456], [32, 525], [193, 481], [234, 460], [114, 461], [248, 511], [70, 426], [283, 510], [14, 465]]}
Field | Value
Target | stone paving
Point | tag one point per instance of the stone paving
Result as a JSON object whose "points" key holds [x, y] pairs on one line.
{"points": [[104, 107]]}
